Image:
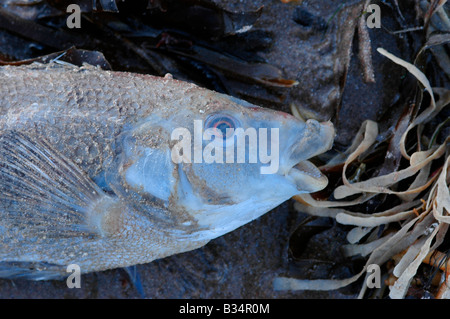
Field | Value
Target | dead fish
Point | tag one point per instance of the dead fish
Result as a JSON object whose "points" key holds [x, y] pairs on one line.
{"points": [[87, 177]]}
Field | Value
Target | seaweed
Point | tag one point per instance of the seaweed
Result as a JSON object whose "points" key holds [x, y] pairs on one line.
{"points": [[423, 214]]}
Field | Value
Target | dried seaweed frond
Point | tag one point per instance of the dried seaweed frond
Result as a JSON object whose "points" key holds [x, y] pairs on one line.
{"points": [[422, 210]]}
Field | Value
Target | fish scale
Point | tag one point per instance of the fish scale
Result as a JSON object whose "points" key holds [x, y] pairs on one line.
{"points": [[94, 108]]}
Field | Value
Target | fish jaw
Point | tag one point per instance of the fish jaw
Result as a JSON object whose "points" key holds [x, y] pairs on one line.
{"points": [[307, 177], [300, 141], [316, 139]]}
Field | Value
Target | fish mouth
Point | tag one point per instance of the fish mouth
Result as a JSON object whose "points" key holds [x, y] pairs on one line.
{"points": [[307, 177], [316, 139]]}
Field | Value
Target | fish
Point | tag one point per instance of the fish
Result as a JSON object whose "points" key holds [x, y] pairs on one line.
{"points": [[88, 176]]}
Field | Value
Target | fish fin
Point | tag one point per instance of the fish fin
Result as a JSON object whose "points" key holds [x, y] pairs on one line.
{"points": [[42, 193], [32, 270], [135, 278]]}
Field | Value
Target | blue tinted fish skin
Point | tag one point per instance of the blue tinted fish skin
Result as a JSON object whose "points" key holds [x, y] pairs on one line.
{"points": [[87, 176]]}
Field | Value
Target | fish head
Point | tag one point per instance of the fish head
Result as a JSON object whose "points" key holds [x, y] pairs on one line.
{"points": [[214, 166]]}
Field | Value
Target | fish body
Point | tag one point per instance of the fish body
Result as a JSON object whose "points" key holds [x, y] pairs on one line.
{"points": [[88, 177]]}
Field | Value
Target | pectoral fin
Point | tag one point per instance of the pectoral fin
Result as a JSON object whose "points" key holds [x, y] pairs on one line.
{"points": [[43, 193]]}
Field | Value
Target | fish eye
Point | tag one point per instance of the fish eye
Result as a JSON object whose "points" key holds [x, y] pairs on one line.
{"points": [[224, 124]]}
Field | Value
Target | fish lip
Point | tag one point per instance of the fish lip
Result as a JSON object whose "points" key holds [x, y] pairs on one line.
{"points": [[307, 177], [320, 135], [317, 139]]}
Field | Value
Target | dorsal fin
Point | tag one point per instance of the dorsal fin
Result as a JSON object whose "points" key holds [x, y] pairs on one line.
{"points": [[42, 193]]}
